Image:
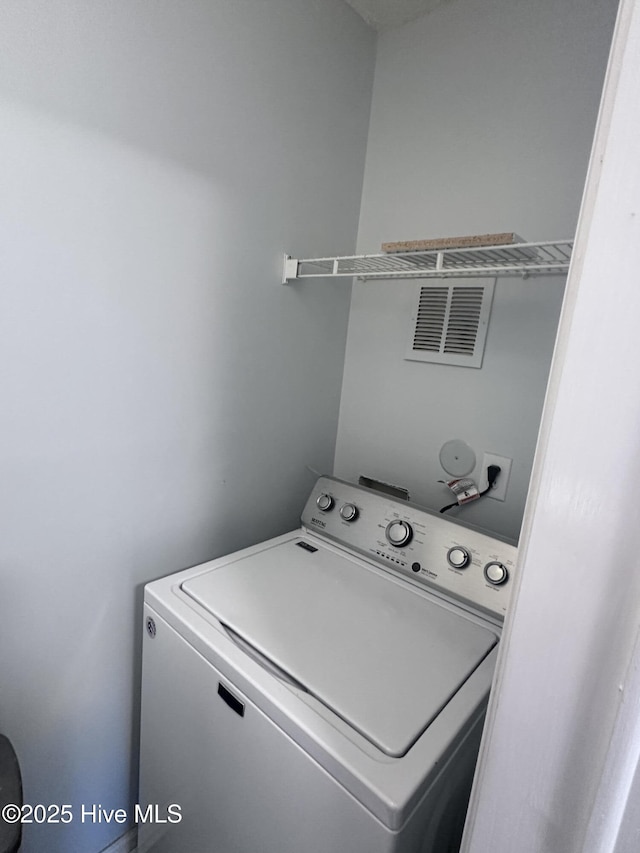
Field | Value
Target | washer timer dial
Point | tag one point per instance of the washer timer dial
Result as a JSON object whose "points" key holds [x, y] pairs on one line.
{"points": [[399, 533]]}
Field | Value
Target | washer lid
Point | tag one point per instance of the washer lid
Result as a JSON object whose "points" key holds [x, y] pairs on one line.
{"points": [[378, 653]]}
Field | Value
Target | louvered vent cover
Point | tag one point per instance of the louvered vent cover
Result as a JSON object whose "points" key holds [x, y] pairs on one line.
{"points": [[449, 324]]}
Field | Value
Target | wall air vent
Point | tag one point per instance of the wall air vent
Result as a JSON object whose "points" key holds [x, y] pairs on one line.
{"points": [[450, 321]]}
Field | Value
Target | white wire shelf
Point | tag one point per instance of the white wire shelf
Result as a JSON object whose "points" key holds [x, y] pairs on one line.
{"points": [[525, 259]]}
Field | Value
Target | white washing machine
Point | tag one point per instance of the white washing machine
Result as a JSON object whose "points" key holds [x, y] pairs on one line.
{"points": [[322, 692]]}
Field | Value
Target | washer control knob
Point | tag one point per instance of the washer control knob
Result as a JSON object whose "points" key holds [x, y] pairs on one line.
{"points": [[496, 573], [349, 512], [458, 557], [399, 533], [325, 502]]}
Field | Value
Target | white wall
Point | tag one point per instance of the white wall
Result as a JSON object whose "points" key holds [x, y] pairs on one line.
{"points": [[482, 121], [560, 762], [158, 384]]}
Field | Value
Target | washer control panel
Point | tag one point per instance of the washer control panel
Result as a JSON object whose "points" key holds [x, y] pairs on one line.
{"points": [[453, 558]]}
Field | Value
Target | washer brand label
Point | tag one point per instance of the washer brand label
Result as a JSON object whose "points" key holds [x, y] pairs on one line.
{"points": [[318, 521]]}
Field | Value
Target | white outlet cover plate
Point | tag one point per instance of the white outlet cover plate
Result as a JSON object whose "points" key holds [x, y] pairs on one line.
{"points": [[499, 491]]}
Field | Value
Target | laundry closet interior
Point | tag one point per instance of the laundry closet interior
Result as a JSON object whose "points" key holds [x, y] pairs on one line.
{"points": [[162, 384]]}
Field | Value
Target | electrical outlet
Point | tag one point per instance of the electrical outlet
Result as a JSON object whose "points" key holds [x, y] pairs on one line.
{"points": [[499, 490]]}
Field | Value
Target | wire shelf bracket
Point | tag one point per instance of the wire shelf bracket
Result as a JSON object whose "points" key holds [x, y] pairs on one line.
{"points": [[525, 259]]}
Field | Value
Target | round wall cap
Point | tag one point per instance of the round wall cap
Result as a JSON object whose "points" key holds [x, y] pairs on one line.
{"points": [[457, 458]]}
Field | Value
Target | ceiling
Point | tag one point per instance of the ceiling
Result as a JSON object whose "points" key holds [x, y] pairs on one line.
{"points": [[386, 14]]}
